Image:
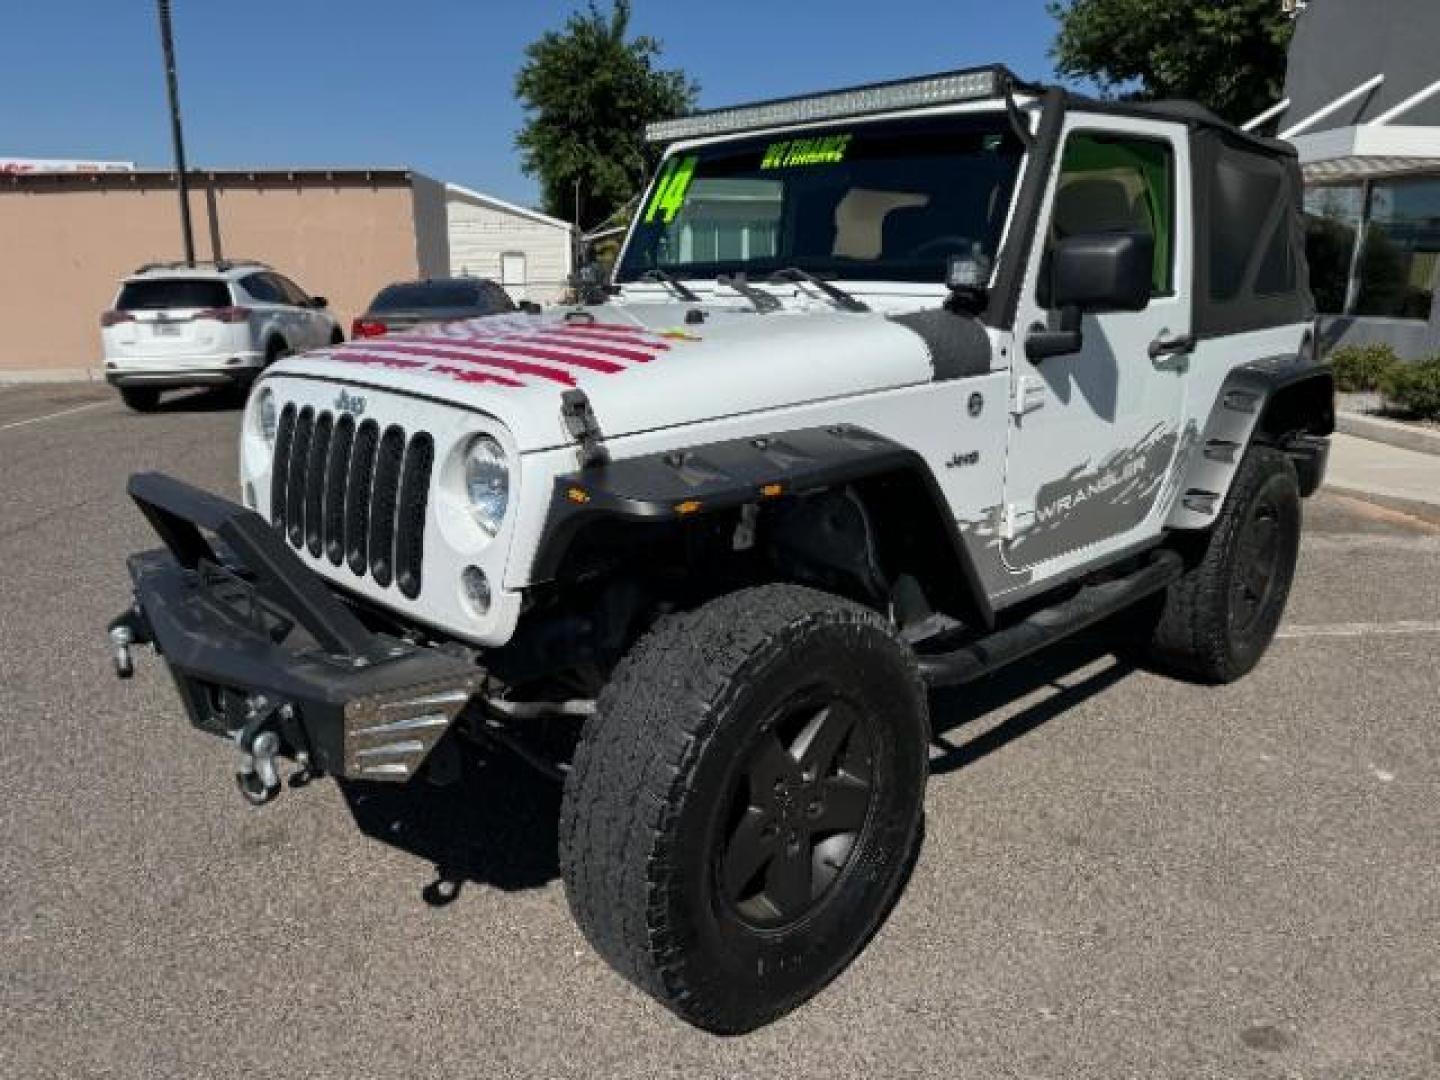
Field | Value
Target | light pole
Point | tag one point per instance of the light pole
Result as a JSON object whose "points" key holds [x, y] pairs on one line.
{"points": [[167, 45]]}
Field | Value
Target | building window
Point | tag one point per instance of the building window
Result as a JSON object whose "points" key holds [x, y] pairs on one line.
{"points": [[1398, 267], [1402, 248]]}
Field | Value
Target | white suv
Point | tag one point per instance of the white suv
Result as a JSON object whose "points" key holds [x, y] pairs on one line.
{"points": [[174, 325]]}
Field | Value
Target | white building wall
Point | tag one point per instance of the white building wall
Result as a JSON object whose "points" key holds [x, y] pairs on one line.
{"points": [[527, 252]]}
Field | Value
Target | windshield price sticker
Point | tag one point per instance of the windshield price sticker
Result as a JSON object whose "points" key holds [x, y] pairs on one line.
{"points": [[671, 188], [826, 150]]}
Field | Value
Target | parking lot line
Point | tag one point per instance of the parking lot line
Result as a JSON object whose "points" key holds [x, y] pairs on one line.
{"points": [[53, 415], [1359, 629]]}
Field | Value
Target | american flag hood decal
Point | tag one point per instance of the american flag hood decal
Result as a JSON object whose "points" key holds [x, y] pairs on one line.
{"points": [[641, 366]]}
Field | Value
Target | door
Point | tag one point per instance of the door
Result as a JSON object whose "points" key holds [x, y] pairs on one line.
{"points": [[1093, 433], [312, 326], [512, 274]]}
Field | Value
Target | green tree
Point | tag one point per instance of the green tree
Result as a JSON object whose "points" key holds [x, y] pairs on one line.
{"points": [[588, 91], [1226, 54]]}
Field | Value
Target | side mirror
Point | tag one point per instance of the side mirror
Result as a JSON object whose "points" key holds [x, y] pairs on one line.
{"points": [[319, 302], [1103, 272]]}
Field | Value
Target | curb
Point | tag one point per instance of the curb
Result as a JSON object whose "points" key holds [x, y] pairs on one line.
{"points": [[1390, 432], [1416, 508], [51, 375]]}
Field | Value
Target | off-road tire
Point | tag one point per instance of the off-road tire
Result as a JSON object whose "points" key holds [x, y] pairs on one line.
{"points": [[642, 823], [140, 398], [1202, 630]]}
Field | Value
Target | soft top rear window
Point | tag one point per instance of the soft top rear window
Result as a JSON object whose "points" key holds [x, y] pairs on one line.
{"points": [[430, 294], [165, 293]]}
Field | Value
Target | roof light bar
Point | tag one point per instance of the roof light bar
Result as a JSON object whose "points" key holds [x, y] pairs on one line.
{"points": [[942, 89]]}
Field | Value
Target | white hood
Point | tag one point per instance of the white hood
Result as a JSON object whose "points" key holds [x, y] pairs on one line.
{"points": [[642, 366]]}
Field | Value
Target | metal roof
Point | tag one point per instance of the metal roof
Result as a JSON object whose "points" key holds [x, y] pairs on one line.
{"points": [[385, 176], [1368, 151]]}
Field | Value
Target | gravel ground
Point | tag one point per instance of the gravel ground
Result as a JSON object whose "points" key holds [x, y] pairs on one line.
{"points": [[1123, 876]]}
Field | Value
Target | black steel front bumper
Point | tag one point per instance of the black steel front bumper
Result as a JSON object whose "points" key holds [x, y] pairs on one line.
{"points": [[264, 652]]}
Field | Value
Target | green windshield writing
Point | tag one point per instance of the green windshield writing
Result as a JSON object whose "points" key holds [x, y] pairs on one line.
{"points": [[669, 194], [825, 150]]}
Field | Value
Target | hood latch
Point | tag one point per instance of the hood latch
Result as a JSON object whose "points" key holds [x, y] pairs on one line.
{"points": [[579, 419]]}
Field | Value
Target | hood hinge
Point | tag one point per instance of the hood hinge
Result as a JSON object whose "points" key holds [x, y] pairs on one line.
{"points": [[580, 422]]}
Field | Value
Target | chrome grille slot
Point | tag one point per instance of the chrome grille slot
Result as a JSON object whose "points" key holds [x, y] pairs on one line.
{"points": [[345, 492], [279, 476], [383, 497], [335, 474], [315, 473], [357, 496], [299, 462], [410, 521]]}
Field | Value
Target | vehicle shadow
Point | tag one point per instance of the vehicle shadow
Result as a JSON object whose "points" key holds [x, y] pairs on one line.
{"points": [[496, 824], [203, 400], [966, 706]]}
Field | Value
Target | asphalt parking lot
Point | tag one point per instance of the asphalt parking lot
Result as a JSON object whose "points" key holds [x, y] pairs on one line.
{"points": [[1123, 876]]}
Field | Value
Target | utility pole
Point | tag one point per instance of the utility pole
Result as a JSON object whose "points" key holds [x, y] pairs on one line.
{"points": [[167, 45]]}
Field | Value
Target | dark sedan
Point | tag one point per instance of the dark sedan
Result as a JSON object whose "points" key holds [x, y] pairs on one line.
{"points": [[409, 303]]}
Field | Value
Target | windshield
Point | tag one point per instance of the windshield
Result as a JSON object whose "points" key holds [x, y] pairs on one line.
{"points": [[888, 201]]}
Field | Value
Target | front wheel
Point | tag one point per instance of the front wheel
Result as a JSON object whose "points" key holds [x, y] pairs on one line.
{"points": [[745, 805], [1216, 622]]}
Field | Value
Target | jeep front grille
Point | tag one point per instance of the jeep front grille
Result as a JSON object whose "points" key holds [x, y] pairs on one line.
{"points": [[352, 493]]}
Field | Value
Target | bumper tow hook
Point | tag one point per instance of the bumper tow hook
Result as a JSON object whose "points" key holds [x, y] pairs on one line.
{"points": [[121, 638], [259, 777]]}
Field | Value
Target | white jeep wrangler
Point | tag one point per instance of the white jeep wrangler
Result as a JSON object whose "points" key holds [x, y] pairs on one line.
{"points": [[891, 387]]}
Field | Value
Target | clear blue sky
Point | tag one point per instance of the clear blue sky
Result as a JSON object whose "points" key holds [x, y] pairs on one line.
{"points": [[428, 83]]}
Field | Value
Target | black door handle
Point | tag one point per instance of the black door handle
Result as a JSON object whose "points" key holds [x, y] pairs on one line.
{"points": [[1163, 346]]}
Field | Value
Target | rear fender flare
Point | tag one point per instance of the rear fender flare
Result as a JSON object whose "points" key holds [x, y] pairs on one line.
{"points": [[1278, 400]]}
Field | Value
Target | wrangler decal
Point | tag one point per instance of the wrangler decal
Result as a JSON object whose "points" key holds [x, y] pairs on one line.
{"points": [[1090, 504]]}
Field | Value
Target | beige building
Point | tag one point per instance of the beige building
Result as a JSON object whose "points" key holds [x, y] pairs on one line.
{"points": [[66, 240]]}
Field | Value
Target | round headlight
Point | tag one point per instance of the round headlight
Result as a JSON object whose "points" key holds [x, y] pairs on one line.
{"points": [[266, 418], [487, 483]]}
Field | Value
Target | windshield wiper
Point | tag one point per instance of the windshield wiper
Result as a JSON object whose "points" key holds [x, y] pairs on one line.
{"points": [[848, 301], [681, 289], [762, 300]]}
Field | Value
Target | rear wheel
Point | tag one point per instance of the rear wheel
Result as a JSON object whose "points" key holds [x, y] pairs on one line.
{"points": [[276, 350], [746, 803], [1216, 622], [140, 398]]}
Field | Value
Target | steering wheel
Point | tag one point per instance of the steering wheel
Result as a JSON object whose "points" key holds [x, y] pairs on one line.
{"points": [[943, 245]]}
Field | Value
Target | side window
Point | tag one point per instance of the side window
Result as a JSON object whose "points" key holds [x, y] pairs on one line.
{"points": [[1116, 183], [292, 293], [260, 288]]}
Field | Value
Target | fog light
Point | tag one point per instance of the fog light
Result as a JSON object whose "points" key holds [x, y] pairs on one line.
{"points": [[477, 589]]}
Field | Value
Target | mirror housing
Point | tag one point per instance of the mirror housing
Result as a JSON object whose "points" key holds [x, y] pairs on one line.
{"points": [[1095, 273]]}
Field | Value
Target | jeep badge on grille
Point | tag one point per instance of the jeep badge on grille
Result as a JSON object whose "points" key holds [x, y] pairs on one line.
{"points": [[353, 404]]}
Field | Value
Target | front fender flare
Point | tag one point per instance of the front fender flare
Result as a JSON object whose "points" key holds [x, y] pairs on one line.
{"points": [[671, 486]]}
